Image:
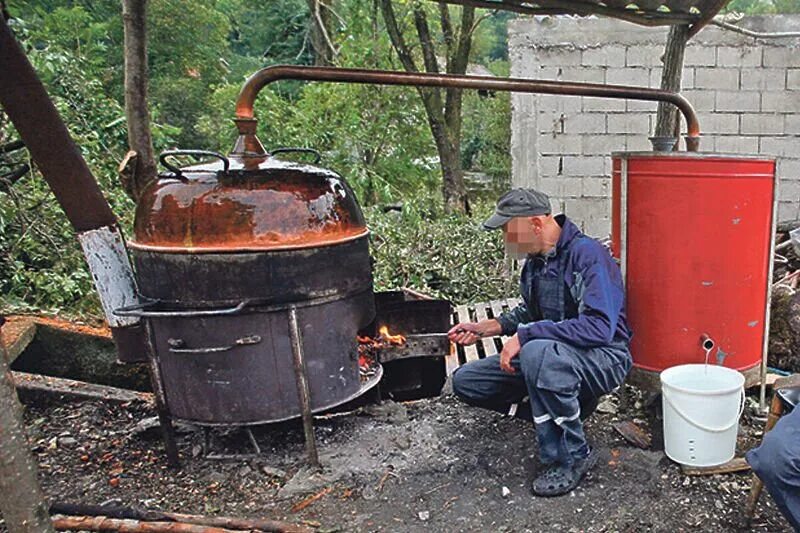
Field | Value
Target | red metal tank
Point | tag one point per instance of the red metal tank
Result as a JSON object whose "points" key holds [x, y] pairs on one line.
{"points": [[693, 233]]}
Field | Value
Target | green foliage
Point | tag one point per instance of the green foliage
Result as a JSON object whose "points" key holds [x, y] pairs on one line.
{"points": [[763, 7], [443, 255], [486, 135], [41, 264], [200, 52]]}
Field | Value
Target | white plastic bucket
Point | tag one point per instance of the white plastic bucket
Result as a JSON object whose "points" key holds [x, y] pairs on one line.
{"points": [[702, 405]]}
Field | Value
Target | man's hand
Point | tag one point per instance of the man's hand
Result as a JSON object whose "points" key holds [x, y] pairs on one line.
{"points": [[467, 333], [510, 351]]}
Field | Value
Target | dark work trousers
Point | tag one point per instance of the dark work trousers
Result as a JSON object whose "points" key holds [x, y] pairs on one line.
{"points": [[556, 377], [777, 463]]}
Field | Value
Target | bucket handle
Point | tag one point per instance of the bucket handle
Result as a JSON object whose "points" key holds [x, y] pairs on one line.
{"points": [[707, 428]]}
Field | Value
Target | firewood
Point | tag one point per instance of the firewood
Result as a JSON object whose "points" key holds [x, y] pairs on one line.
{"points": [[134, 513], [102, 523]]}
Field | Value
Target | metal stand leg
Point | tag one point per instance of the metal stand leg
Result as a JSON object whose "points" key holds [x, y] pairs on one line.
{"points": [[165, 421], [164, 416], [209, 453], [301, 377]]}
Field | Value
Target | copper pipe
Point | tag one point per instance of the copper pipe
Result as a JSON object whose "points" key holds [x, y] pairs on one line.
{"points": [[265, 76]]}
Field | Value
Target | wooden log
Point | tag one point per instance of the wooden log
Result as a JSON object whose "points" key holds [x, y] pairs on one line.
{"points": [[76, 389], [737, 464], [21, 501], [416, 295], [17, 334], [133, 513], [126, 525]]}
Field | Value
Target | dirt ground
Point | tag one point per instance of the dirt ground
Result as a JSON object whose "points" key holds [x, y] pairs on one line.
{"points": [[429, 465]]}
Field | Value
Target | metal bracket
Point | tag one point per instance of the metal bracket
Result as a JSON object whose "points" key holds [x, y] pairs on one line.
{"points": [[419, 345]]}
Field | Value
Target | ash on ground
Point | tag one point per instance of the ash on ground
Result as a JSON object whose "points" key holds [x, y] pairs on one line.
{"points": [[430, 465]]}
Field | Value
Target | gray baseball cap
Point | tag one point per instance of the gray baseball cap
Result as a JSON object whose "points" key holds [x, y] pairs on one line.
{"points": [[518, 203]]}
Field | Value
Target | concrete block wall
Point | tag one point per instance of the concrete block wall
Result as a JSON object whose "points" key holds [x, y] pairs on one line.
{"points": [[746, 92]]}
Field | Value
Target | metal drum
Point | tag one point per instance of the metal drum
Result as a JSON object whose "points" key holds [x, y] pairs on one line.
{"points": [[225, 252], [693, 233]]}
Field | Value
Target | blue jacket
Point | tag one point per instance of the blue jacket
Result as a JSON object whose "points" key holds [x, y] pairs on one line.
{"points": [[594, 299]]}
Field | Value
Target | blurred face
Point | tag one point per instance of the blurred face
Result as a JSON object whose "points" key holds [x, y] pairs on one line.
{"points": [[525, 235]]}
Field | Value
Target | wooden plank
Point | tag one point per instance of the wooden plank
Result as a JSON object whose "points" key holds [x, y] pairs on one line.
{"points": [[462, 314], [737, 464], [497, 310], [487, 342], [17, 334], [513, 302], [470, 352], [77, 389]]}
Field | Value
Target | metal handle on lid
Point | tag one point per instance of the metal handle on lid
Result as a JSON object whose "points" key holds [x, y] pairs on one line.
{"points": [[177, 171], [288, 149], [142, 310]]}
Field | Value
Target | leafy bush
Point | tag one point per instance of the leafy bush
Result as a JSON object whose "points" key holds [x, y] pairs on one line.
{"points": [[447, 256], [377, 137]]}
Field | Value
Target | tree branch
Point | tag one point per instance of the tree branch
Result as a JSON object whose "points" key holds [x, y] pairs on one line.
{"points": [[465, 30], [447, 29], [458, 65], [428, 52], [9, 179], [396, 36], [140, 139]]}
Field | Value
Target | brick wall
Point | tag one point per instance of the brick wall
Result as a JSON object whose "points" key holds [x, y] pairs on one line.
{"points": [[746, 93]]}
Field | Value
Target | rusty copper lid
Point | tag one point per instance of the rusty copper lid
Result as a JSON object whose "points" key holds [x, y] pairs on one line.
{"points": [[254, 204]]}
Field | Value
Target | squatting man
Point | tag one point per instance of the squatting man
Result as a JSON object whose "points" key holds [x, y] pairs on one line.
{"points": [[569, 339]]}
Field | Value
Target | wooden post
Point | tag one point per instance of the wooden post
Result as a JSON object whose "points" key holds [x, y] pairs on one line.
{"points": [[667, 121], [134, 18], [22, 501]]}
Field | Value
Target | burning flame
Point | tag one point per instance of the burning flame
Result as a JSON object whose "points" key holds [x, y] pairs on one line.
{"points": [[368, 346], [389, 338]]}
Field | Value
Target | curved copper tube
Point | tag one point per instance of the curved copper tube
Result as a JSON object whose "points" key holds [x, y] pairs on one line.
{"points": [[265, 76]]}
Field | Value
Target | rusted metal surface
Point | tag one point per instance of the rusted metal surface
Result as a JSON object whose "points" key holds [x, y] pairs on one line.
{"points": [[633, 434], [416, 368], [420, 345], [236, 368], [265, 278], [237, 260], [224, 206], [248, 145], [646, 13]]}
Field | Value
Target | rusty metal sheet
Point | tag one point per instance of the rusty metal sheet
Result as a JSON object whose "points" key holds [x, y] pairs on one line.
{"points": [[421, 345]]}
